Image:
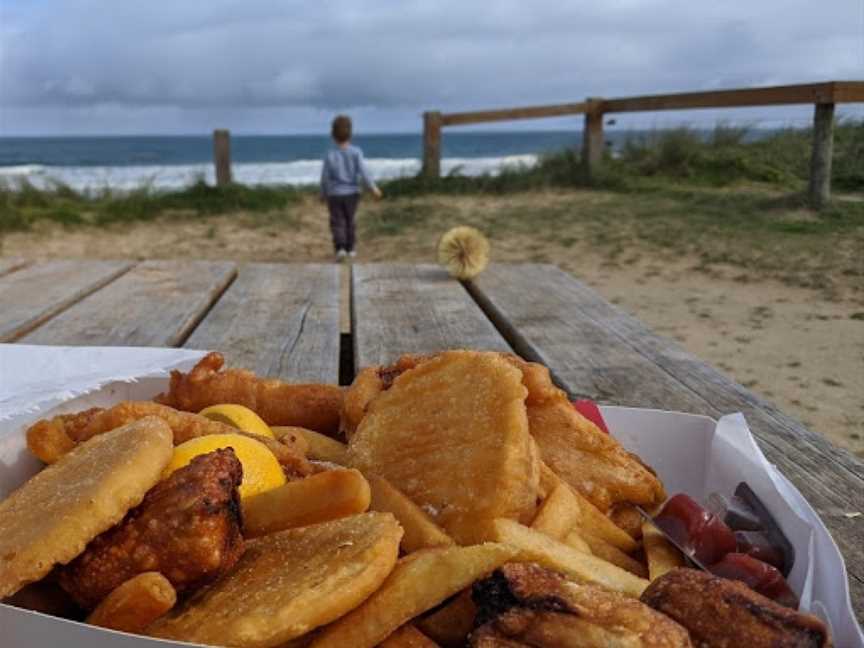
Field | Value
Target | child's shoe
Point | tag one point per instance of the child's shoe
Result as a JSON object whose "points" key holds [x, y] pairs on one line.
{"points": [[341, 254]]}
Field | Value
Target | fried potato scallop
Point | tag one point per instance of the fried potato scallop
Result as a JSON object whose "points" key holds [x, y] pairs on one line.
{"points": [[452, 434], [289, 583], [52, 517]]}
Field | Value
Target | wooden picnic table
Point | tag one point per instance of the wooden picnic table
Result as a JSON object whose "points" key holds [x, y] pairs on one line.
{"points": [[283, 320]]}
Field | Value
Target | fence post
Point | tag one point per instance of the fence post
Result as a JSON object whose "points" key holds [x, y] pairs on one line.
{"points": [[820, 158], [592, 135], [432, 144], [222, 156]]}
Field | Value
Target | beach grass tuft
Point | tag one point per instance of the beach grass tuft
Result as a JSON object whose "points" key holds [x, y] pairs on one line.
{"points": [[22, 204], [681, 163]]}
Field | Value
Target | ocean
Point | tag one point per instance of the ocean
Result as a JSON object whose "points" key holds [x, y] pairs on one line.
{"points": [[163, 162]]}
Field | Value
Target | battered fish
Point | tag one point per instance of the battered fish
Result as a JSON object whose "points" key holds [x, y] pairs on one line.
{"points": [[312, 406], [188, 528], [370, 382], [524, 605], [84, 425]]}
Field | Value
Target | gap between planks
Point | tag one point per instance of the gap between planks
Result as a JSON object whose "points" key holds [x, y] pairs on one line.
{"points": [[215, 297]]}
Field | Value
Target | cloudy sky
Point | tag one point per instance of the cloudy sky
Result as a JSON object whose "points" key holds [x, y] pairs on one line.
{"points": [[277, 66]]}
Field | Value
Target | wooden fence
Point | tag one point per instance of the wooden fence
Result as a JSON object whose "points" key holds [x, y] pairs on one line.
{"points": [[824, 96]]}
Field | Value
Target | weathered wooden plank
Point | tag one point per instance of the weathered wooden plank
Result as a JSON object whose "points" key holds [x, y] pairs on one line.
{"points": [[819, 188], [11, 264], [546, 311], [403, 308], [157, 303], [431, 144], [507, 114], [279, 320], [805, 93], [848, 92], [542, 324], [36, 293], [222, 156], [593, 143], [733, 98]]}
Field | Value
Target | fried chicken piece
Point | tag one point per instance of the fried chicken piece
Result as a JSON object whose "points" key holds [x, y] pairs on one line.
{"points": [[84, 425], [523, 604], [722, 613], [312, 406], [188, 528]]}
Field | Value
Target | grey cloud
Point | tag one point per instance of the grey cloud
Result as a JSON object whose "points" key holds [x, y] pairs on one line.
{"points": [[85, 58]]}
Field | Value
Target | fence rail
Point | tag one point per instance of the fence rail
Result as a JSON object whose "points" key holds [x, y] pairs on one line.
{"points": [[824, 96]]}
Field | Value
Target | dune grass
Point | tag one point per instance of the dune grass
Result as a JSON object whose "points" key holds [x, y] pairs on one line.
{"points": [[23, 204], [767, 174]]}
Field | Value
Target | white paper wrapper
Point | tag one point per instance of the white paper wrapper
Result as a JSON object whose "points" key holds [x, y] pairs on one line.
{"points": [[692, 454]]}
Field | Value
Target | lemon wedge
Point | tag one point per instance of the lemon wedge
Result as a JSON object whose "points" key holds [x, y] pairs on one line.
{"points": [[238, 416], [261, 470]]}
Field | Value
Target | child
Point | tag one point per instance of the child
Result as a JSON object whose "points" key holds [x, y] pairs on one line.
{"points": [[342, 175]]}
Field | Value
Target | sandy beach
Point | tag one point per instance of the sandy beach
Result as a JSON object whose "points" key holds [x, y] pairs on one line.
{"points": [[800, 347]]}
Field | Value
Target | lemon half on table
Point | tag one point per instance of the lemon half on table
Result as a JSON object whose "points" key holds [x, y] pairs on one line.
{"points": [[261, 470], [238, 416]]}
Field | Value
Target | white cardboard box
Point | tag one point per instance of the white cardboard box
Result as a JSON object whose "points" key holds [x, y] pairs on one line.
{"points": [[692, 454]]}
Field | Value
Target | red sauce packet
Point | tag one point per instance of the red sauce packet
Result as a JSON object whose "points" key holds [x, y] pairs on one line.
{"points": [[589, 410]]}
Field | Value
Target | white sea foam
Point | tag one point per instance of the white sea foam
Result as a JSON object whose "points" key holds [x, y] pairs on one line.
{"points": [[298, 172]]}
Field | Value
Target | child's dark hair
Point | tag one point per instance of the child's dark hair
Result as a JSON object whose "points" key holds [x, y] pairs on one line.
{"points": [[340, 129]]}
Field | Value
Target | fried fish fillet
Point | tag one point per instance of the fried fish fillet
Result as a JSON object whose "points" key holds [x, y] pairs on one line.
{"points": [[452, 435], [184, 426], [312, 406], [722, 613], [50, 519], [522, 604], [289, 583], [579, 452], [368, 383], [188, 528]]}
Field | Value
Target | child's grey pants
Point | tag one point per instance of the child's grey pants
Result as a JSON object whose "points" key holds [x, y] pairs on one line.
{"points": [[342, 209]]}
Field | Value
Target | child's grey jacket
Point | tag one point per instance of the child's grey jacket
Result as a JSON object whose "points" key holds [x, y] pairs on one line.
{"points": [[344, 172]]}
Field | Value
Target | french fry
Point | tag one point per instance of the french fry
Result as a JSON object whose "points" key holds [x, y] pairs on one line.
{"points": [[558, 514], [419, 582], [420, 531], [324, 496], [601, 526], [550, 553], [660, 554], [292, 436], [319, 447], [591, 518], [408, 637], [574, 539], [48, 441], [627, 518], [611, 553], [451, 624], [549, 481], [135, 604]]}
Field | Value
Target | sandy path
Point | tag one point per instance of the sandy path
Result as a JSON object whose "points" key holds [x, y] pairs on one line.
{"points": [[789, 344]]}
